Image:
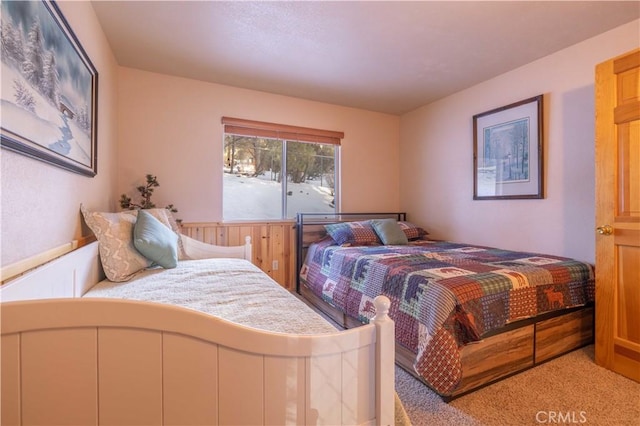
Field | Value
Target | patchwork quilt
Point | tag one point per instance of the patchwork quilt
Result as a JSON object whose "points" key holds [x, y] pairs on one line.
{"points": [[443, 294]]}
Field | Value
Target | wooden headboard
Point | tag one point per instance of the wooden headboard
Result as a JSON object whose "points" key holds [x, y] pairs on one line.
{"points": [[310, 228]]}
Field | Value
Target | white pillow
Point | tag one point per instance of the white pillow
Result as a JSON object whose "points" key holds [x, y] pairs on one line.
{"points": [[114, 231]]}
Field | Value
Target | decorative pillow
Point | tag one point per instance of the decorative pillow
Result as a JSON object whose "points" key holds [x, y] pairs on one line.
{"points": [[413, 232], [353, 233], [173, 224], [389, 231], [155, 240], [166, 218], [114, 231]]}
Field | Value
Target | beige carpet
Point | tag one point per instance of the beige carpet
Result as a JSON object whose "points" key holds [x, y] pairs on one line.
{"points": [[571, 389]]}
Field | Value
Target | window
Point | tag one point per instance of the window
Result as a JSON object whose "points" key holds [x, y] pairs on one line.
{"points": [[274, 171]]}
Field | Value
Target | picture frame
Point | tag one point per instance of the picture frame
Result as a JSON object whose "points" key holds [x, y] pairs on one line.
{"points": [[508, 152], [49, 88]]}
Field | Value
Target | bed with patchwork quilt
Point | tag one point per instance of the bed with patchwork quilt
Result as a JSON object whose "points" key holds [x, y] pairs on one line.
{"points": [[465, 315]]}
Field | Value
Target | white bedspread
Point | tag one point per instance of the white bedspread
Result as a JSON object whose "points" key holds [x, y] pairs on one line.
{"points": [[233, 289]]}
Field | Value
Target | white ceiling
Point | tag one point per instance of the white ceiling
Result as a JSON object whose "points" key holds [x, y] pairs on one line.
{"points": [[386, 56]]}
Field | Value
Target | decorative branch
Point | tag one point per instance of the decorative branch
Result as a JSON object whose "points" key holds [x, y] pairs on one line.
{"points": [[146, 191]]}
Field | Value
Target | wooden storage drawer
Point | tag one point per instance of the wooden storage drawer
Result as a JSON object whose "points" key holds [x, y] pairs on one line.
{"points": [[497, 356], [562, 334]]}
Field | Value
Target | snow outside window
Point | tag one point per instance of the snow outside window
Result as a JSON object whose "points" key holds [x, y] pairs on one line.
{"points": [[277, 178]]}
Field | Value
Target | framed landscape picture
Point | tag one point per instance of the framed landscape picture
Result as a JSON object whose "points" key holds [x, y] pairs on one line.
{"points": [[507, 152], [49, 88]]}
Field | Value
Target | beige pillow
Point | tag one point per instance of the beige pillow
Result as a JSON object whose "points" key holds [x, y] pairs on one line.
{"points": [[114, 231], [165, 216]]}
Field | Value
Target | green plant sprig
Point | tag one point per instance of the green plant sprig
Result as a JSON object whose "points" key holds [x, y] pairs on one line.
{"points": [[146, 191]]}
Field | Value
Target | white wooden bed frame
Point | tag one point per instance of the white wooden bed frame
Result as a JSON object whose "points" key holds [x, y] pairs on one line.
{"points": [[71, 360]]}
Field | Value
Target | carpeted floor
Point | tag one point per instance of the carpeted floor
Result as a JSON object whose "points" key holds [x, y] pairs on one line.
{"points": [[571, 389]]}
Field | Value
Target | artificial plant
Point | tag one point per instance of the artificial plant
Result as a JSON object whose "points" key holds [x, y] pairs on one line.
{"points": [[146, 191]]}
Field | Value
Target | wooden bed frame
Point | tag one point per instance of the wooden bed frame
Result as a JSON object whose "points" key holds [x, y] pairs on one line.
{"points": [[515, 348], [73, 360]]}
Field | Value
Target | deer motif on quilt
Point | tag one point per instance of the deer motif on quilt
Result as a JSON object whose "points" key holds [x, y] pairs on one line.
{"points": [[555, 298]]}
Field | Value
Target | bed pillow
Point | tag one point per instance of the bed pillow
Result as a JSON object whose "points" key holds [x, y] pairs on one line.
{"points": [[353, 233], [389, 231], [166, 218], [155, 240], [114, 231], [413, 232]]}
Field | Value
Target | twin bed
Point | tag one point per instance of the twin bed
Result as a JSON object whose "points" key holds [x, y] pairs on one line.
{"points": [[464, 315], [209, 341]]}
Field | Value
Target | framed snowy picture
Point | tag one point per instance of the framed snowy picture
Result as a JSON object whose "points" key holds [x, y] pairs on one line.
{"points": [[507, 152], [49, 88]]}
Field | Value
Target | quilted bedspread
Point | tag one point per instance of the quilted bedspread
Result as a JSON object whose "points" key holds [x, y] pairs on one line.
{"points": [[233, 289], [443, 294]]}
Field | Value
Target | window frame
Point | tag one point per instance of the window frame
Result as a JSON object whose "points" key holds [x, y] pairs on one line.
{"points": [[285, 134]]}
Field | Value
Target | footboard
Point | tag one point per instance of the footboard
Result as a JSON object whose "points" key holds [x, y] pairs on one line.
{"points": [[94, 361]]}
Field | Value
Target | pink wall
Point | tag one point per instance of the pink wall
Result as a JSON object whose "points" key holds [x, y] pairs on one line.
{"points": [[151, 123], [170, 127], [436, 154], [40, 202]]}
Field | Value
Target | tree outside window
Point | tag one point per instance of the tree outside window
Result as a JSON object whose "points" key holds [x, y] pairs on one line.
{"points": [[255, 187]]}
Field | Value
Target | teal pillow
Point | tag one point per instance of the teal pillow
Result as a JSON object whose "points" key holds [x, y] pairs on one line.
{"points": [[155, 241], [389, 231]]}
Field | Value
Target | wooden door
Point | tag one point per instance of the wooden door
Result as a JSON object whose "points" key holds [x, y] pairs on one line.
{"points": [[617, 158]]}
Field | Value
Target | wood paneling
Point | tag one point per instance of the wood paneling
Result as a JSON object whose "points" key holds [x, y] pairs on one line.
{"points": [[273, 244]]}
